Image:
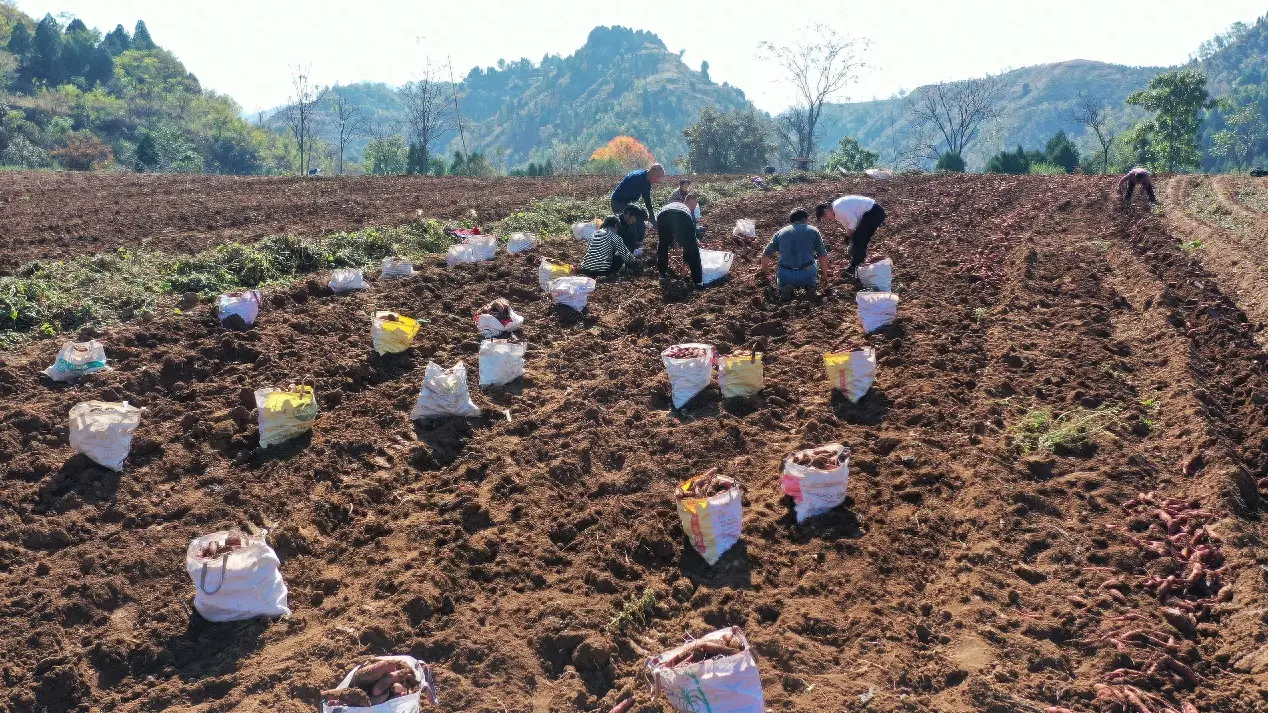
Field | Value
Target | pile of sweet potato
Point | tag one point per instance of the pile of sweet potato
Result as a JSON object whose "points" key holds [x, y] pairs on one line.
{"points": [[685, 352], [216, 549], [705, 649], [706, 486], [375, 682], [821, 458], [499, 308]]}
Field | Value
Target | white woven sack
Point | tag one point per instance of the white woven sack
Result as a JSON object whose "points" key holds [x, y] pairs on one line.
{"points": [[727, 683], [815, 491], [490, 326], [281, 424], [745, 228], [584, 230], [396, 267], [501, 362], [572, 291], [461, 253], [688, 377], [347, 279], [876, 309], [855, 378], [75, 359], [444, 393], [521, 242], [411, 703], [877, 275], [715, 264], [484, 247], [102, 430], [237, 585], [879, 173], [548, 270], [713, 524], [245, 304]]}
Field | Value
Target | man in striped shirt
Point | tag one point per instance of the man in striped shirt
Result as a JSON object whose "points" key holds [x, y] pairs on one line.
{"points": [[607, 254]]}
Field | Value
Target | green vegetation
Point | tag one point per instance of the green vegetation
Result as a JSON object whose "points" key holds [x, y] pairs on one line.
{"points": [[634, 613], [1236, 131], [734, 142], [1170, 139], [950, 161], [1041, 432], [1046, 169], [849, 156], [1059, 156]]}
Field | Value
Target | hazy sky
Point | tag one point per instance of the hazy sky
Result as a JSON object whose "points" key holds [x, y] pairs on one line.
{"points": [[245, 48]]}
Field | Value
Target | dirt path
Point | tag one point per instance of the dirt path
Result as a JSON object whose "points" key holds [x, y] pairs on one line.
{"points": [[960, 576]]}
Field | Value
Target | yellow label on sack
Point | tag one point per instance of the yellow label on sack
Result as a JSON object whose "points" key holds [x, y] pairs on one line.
{"points": [[740, 376], [839, 369], [299, 402], [395, 332], [557, 269]]}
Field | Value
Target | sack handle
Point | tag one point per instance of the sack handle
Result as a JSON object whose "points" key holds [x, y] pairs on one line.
{"points": [[224, 569]]}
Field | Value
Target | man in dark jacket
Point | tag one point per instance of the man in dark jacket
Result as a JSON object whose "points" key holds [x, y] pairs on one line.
{"points": [[635, 186], [676, 223]]}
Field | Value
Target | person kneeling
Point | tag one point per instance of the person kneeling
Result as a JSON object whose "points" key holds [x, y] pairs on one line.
{"points": [[608, 253], [803, 258]]}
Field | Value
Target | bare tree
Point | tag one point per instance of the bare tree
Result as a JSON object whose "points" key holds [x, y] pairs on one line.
{"points": [[302, 112], [1094, 115], [954, 112], [349, 123], [427, 111], [819, 70]]}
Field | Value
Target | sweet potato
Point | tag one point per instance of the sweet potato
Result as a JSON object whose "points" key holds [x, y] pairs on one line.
{"points": [[399, 676], [706, 486], [346, 697], [499, 308], [216, 549], [685, 353], [820, 458], [373, 670], [704, 650]]}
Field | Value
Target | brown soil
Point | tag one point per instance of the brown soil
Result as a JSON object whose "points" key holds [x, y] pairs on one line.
{"points": [[959, 576], [48, 215]]}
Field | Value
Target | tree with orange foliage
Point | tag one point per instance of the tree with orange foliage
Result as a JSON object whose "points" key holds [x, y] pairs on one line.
{"points": [[625, 151]]}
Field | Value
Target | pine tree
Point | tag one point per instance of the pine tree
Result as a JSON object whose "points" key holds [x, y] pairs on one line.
{"points": [[117, 42], [147, 155], [20, 40], [1062, 152], [46, 47], [100, 67], [76, 25], [704, 71], [141, 38]]}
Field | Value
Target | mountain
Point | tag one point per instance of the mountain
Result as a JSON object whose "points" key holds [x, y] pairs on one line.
{"points": [[1236, 64], [1036, 103]]}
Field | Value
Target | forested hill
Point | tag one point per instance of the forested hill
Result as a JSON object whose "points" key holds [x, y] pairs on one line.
{"points": [[1235, 134], [1036, 103]]}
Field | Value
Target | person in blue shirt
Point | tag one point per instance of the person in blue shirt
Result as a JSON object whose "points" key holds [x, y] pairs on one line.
{"points": [[803, 258], [635, 186]]}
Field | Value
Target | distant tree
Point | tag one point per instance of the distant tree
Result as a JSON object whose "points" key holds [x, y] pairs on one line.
{"points": [[1017, 163], [472, 164], [348, 121], [82, 152], [19, 40], [117, 42], [626, 151], [1246, 131], [950, 161], [850, 156], [1060, 151], [385, 156], [726, 143], [300, 114], [42, 62], [76, 25], [459, 164], [819, 70], [704, 71], [1176, 98], [1093, 115], [436, 166], [141, 40], [147, 155], [955, 112], [428, 112]]}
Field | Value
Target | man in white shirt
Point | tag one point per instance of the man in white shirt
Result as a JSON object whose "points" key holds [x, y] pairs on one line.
{"points": [[676, 223], [860, 216]]}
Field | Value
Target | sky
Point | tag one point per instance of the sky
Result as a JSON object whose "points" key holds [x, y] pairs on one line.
{"points": [[248, 48]]}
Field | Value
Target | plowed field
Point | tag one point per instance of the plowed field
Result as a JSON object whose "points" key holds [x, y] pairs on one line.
{"points": [[970, 569]]}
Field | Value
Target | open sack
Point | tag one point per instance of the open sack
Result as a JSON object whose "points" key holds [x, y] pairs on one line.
{"points": [[716, 672], [347, 279], [501, 362], [740, 374], [245, 304], [75, 359], [521, 242], [715, 264], [744, 228], [876, 309], [285, 413], [444, 393], [571, 292], [396, 267], [584, 230], [815, 479], [402, 682], [497, 318], [236, 576], [710, 507], [392, 333], [102, 430], [549, 270], [690, 370], [475, 248], [851, 372], [877, 275]]}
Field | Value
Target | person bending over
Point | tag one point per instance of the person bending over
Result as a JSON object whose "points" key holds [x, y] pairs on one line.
{"points": [[607, 253], [676, 223], [631, 225], [803, 258], [635, 186], [1137, 177], [860, 216]]}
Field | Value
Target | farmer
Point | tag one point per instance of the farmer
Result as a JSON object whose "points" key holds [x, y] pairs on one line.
{"points": [[860, 216], [631, 224], [1137, 177], [608, 253], [676, 222], [803, 258], [637, 184], [684, 187]]}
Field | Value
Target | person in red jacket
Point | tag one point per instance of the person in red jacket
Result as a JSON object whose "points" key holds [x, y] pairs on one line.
{"points": [[1137, 177]]}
